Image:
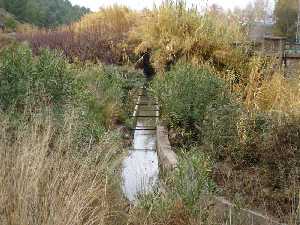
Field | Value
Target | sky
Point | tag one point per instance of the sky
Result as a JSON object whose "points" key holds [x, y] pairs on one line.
{"points": [[141, 4]]}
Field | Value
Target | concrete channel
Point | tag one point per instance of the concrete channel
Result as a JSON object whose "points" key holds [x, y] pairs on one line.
{"points": [[151, 152], [141, 167]]}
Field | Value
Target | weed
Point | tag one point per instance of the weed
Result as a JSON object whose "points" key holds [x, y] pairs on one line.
{"points": [[45, 181]]}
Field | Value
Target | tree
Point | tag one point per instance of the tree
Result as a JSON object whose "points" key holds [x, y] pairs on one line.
{"points": [[16, 7], [286, 12], [46, 13], [254, 12], [261, 9]]}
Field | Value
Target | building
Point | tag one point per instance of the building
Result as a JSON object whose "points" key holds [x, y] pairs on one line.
{"points": [[259, 30]]}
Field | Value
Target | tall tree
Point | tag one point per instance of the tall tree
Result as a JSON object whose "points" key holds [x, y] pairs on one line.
{"points": [[286, 12], [261, 8], [46, 13], [254, 12], [16, 7]]}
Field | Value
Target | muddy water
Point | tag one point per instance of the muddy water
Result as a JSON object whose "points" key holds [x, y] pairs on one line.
{"points": [[140, 168]]}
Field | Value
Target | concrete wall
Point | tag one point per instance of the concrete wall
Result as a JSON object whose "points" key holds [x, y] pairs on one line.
{"points": [[292, 68], [167, 157]]}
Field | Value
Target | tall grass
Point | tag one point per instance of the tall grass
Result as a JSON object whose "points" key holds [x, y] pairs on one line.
{"points": [[6, 40], [59, 155], [175, 32], [279, 94], [115, 34], [44, 180], [100, 36]]}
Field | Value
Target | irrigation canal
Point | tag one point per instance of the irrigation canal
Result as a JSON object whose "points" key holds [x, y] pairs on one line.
{"points": [[140, 168]]}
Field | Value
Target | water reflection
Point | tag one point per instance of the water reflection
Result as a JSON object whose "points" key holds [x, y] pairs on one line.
{"points": [[140, 168]]}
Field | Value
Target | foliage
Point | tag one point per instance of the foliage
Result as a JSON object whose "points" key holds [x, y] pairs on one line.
{"points": [[257, 133], [110, 90], [50, 119], [254, 11], [29, 83], [45, 180], [100, 36], [220, 131], [175, 32], [279, 94], [186, 187], [32, 84], [186, 93], [221, 100], [44, 13], [8, 20], [11, 23], [286, 12], [116, 34], [108, 21], [192, 178]]}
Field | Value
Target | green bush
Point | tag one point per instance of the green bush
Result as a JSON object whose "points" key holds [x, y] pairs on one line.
{"points": [[16, 66], [186, 94], [111, 90], [193, 178], [103, 101], [10, 23], [31, 83], [220, 131]]}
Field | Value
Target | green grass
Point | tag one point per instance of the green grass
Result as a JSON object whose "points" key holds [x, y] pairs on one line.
{"points": [[59, 153]]}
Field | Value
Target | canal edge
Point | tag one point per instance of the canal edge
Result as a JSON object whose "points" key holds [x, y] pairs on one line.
{"points": [[168, 162]]}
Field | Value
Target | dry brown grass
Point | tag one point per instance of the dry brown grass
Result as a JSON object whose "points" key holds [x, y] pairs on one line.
{"points": [[44, 180], [175, 32], [268, 90], [279, 94], [100, 36], [5, 40]]}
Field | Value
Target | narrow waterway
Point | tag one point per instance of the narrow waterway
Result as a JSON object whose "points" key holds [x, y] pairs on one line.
{"points": [[140, 167]]}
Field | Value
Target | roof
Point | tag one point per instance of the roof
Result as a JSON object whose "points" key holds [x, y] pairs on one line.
{"points": [[274, 38]]}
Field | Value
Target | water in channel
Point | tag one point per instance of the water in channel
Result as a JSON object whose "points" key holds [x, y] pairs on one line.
{"points": [[140, 167]]}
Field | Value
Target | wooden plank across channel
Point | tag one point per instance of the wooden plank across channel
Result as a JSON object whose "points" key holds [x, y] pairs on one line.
{"points": [[143, 129], [146, 149], [144, 116]]}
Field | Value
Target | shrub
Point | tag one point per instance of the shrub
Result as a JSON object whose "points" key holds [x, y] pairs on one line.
{"points": [[30, 83], [192, 178], [175, 32], [220, 131], [11, 23], [111, 91], [16, 67], [186, 93], [100, 36], [33, 84]]}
